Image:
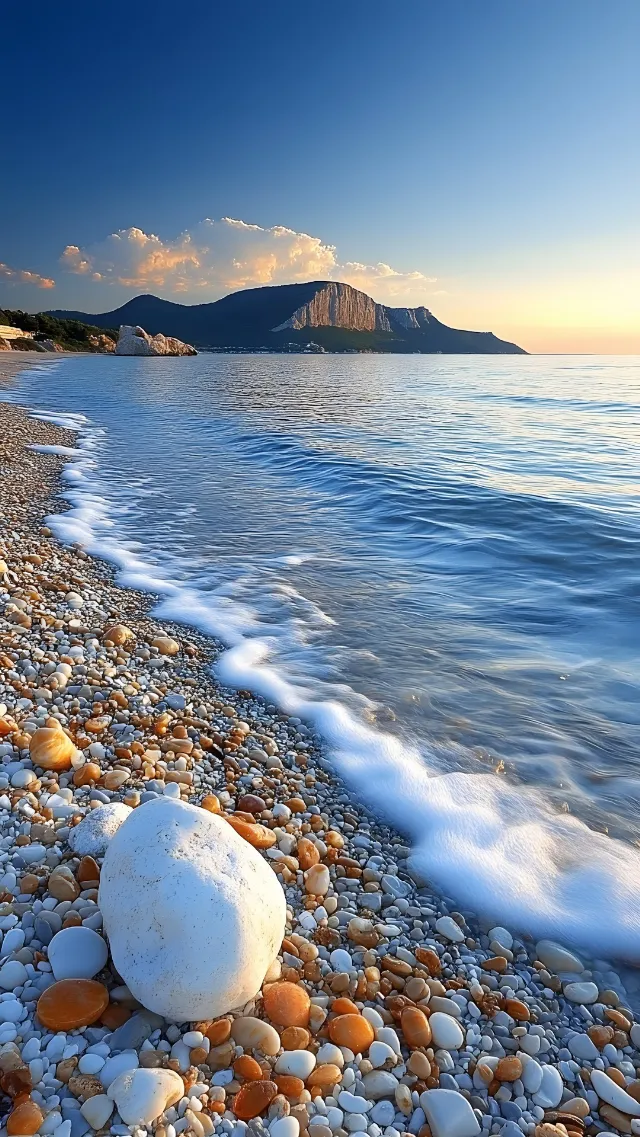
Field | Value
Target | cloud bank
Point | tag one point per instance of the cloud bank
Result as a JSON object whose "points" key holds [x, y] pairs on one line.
{"points": [[217, 257], [22, 276]]}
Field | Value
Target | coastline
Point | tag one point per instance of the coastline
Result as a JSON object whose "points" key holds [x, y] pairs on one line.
{"points": [[409, 948]]}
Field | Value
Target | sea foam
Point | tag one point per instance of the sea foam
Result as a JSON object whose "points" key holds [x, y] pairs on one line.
{"points": [[491, 846]]}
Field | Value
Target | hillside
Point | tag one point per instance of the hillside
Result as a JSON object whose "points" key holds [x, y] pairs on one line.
{"points": [[337, 316], [72, 333]]}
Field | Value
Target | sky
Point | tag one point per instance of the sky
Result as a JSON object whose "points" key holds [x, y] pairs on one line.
{"points": [[480, 157]]}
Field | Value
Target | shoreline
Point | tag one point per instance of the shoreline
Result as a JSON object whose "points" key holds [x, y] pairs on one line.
{"points": [[497, 988]]}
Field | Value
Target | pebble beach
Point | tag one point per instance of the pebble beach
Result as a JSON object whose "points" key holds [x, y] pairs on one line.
{"points": [[204, 931]]}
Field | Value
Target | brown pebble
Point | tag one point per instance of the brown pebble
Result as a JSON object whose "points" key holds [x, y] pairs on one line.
{"points": [[600, 1035], [497, 963], [246, 1067], [218, 1031], [429, 959], [517, 1009], [63, 885], [614, 1117], [25, 1119], [85, 1086], [287, 1004], [253, 1099], [295, 1038], [88, 870], [509, 1069]]}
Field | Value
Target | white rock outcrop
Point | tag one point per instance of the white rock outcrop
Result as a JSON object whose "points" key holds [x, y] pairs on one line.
{"points": [[135, 341], [193, 914]]}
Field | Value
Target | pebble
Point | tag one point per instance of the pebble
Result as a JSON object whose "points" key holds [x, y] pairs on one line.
{"points": [[581, 992], [76, 953], [97, 1110], [557, 958], [91, 837], [72, 1003], [142, 1095], [298, 1063], [449, 1114], [448, 928], [285, 1127], [610, 1092], [446, 1031], [549, 1093], [372, 984]]}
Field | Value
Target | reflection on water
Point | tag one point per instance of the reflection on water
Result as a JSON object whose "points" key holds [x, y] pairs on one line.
{"points": [[449, 544]]}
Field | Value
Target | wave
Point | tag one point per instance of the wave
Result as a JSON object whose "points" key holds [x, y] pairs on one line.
{"points": [[496, 849]]}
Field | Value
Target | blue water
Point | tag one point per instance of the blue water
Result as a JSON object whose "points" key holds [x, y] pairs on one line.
{"points": [[441, 554]]}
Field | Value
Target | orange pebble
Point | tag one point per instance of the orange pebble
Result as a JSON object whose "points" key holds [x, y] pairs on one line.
{"points": [[253, 1098], [114, 1016], [308, 854], [72, 1003], [289, 1085], [257, 835], [517, 1009], [88, 869], [295, 1038], [344, 1006], [219, 1031], [87, 774], [324, 1076], [352, 1031], [287, 1004], [429, 959], [246, 1067], [415, 1027], [26, 1118]]}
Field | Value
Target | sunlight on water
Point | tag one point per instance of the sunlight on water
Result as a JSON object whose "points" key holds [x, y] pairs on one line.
{"points": [[443, 550]]}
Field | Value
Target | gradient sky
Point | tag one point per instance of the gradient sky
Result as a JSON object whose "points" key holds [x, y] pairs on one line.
{"points": [[479, 156]]}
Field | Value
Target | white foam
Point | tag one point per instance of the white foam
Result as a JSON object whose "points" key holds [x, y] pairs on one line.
{"points": [[497, 849]]}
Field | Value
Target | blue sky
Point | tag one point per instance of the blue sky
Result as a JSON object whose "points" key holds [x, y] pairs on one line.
{"points": [[478, 156]]}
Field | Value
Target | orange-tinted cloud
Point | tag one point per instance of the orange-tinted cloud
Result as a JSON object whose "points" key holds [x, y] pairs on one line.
{"points": [[23, 276], [221, 256]]}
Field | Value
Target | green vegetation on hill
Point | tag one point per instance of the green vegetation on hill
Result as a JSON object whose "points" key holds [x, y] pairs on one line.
{"points": [[72, 335]]}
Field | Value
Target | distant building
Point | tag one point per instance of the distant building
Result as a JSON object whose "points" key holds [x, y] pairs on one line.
{"points": [[314, 349]]}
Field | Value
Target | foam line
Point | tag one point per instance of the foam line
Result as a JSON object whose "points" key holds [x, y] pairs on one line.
{"points": [[495, 848]]}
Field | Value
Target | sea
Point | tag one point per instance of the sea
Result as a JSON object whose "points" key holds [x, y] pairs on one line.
{"points": [[433, 561]]}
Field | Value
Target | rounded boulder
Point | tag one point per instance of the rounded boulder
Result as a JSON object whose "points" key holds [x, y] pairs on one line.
{"points": [[193, 914]]}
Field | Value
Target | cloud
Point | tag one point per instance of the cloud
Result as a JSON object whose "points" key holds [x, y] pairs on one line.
{"points": [[217, 257], [22, 276]]}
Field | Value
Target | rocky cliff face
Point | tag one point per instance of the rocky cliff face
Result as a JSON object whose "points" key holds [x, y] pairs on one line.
{"points": [[341, 306], [135, 341]]}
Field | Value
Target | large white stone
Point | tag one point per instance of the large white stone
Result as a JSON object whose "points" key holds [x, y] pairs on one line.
{"points": [[77, 953], [135, 341], [142, 1095], [449, 1114], [193, 913], [91, 837]]}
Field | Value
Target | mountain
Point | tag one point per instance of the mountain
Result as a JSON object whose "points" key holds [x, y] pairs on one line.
{"points": [[336, 316]]}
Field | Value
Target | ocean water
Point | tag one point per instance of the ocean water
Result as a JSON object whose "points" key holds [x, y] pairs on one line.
{"points": [[433, 560]]}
